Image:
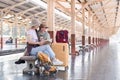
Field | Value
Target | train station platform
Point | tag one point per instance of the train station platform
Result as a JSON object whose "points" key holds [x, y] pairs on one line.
{"points": [[101, 63], [10, 49]]}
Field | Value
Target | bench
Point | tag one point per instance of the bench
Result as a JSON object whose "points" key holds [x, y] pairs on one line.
{"points": [[30, 68]]}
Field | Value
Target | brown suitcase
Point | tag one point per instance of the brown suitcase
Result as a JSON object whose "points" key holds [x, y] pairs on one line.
{"points": [[61, 53]]}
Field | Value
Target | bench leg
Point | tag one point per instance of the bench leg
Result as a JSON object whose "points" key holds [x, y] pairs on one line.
{"points": [[30, 68]]}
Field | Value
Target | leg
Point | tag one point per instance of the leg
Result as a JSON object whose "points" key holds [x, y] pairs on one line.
{"points": [[19, 61], [50, 52], [25, 52], [44, 48]]}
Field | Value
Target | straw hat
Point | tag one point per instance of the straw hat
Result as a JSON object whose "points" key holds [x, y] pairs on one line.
{"points": [[35, 22]]}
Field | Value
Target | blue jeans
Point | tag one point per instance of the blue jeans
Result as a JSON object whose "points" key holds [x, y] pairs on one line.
{"points": [[44, 48]]}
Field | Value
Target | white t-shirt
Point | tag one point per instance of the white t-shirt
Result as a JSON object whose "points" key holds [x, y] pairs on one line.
{"points": [[32, 32]]}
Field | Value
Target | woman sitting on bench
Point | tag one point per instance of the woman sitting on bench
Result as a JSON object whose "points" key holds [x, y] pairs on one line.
{"points": [[39, 46]]}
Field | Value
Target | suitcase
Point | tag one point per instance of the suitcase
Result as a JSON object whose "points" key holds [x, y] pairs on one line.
{"points": [[61, 53]]}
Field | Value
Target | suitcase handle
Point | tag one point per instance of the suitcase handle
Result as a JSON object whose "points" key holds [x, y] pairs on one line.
{"points": [[63, 48]]}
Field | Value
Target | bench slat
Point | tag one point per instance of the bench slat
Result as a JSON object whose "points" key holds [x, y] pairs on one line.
{"points": [[28, 58]]}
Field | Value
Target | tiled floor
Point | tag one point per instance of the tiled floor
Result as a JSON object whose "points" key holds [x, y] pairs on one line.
{"points": [[101, 64]]}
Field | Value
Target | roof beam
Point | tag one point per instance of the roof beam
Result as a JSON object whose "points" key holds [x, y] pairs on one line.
{"points": [[67, 11], [89, 2], [23, 12], [37, 14], [13, 6]]}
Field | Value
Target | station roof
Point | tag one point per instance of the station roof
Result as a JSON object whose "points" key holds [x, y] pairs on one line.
{"points": [[105, 12]]}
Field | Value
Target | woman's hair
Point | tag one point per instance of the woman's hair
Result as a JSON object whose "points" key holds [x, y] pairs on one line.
{"points": [[41, 26]]}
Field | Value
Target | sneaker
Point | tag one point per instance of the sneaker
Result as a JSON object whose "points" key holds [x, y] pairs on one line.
{"points": [[19, 61], [36, 64], [57, 62]]}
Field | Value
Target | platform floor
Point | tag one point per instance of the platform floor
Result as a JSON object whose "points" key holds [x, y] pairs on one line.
{"points": [[12, 47], [103, 63]]}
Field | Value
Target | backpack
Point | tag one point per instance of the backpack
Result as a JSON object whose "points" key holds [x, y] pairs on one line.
{"points": [[62, 36], [49, 68]]}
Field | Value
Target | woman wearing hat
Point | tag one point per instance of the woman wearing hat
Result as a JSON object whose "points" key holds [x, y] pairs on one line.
{"points": [[39, 42]]}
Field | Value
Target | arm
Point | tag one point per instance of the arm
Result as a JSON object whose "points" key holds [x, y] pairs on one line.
{"points": [[30, 41], [47, 39]]}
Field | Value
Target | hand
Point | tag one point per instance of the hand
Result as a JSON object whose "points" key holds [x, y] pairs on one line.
{"points": [[42, 42]]}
